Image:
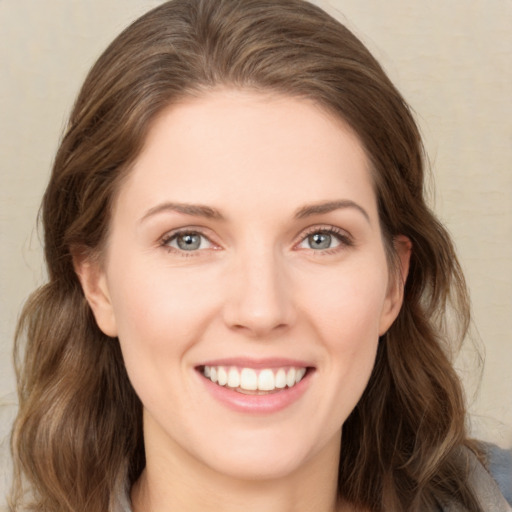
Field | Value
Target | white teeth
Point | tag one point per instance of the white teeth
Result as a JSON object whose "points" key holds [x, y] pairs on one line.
{"points": [[249, 379], [290, 377], [266, 381], [280, 379], [222, 376], [233, 378]]}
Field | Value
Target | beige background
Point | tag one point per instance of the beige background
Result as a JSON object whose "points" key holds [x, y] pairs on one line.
{"points": [[451, 59]]}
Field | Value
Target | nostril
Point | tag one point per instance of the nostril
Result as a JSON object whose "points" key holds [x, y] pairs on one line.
{"points": [[260, 329]]}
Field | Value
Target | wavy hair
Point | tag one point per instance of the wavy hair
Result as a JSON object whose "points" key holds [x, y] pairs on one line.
{"points": [[78, 438]]}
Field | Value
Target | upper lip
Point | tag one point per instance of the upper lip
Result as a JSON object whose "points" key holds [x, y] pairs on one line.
{"points": [[268, 362]]}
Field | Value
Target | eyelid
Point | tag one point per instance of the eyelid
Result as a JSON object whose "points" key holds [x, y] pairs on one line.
{"points": [[164, 240], [344, 237]]}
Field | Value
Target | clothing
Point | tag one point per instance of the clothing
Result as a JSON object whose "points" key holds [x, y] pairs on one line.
{"points": [[493, 488], [500, 467], [485, 484]]}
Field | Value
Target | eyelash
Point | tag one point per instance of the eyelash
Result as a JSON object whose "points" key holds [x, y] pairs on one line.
{"points": [[344, 239], [169, 237]]}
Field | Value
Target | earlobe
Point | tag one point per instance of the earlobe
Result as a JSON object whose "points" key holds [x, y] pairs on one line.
{"points": [[94, 284], [395, 295]]}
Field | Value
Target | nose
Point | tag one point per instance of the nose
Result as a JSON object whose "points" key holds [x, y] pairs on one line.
{"points": [[258, 302]]}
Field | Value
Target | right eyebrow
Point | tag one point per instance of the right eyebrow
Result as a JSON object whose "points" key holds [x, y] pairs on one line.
{"points": [[195, 210], [329, 206]]}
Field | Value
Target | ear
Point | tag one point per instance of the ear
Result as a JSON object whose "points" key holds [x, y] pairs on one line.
{"points": [[94, 284], [395, 294]]}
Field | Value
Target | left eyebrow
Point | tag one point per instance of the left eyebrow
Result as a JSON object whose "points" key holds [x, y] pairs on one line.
{"points": [[195, 210], [329, 206]]}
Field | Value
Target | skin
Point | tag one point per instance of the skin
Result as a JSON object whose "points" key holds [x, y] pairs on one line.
{"points": [[255, 288]]}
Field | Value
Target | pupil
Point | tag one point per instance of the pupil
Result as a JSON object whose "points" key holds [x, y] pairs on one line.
{"points": [[320, 241], [189, 242]]}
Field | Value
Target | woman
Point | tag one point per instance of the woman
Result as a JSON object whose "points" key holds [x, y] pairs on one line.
{"points": [[247, 292]]}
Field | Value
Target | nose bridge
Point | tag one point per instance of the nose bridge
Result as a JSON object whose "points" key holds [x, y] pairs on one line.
{"points": [[259, 299]]}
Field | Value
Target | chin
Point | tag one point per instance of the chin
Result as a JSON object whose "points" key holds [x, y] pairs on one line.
{"points": [[271, 456], [260, 466]]}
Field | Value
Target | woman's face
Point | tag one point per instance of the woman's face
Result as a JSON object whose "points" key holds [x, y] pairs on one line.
{"points": [[245, 249]]}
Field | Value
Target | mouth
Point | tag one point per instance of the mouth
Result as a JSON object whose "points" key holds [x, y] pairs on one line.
{"points": [[255, 381], [256, 386]]}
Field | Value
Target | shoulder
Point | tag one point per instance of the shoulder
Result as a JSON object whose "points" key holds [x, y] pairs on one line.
{"points": [[123, 503], [499, 463], [491, 483]]}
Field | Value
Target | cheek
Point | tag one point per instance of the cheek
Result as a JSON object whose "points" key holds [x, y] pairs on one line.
{"points": [[160, 316], [349, 302], [160, 312], [345, 312]]}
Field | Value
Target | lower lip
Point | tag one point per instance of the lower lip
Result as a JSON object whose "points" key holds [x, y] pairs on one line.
{"points": [[257, 404]]}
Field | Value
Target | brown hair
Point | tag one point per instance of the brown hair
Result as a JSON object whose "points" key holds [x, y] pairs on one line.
{"points": [[78, 434]]}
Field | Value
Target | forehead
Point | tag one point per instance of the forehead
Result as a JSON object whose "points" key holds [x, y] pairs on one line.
{"points": [[240, 145]]}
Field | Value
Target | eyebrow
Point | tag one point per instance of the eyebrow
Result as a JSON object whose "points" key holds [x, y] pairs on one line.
{"points": [[196, 210], [329, 206], [199, 210]]}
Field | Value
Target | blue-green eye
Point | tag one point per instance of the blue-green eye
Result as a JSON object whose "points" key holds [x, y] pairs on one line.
{"points": [[320, 241], [324, 239], [188, 241]]}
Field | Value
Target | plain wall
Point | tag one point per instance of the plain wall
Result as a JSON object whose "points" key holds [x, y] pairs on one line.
{"points": [[451, 60]]}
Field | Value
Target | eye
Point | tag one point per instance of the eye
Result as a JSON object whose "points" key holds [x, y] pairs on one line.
{"points": [[324, 239], [187, 241], [321, 241]]}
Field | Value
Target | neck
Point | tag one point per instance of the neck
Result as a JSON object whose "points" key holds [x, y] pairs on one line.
{"points": [[174, 480]]}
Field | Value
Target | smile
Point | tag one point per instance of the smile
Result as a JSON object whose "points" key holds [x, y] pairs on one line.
{"points": [[252, 381]]}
